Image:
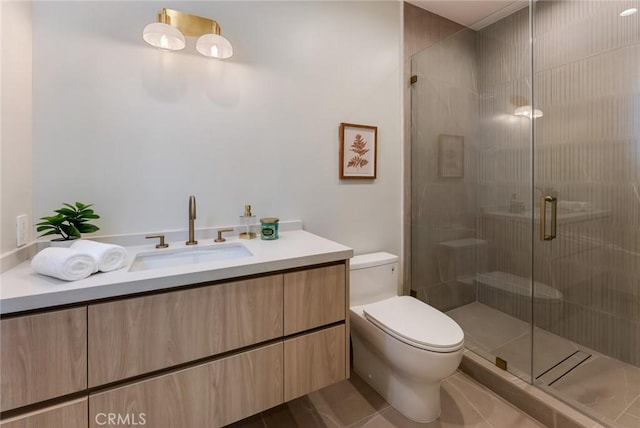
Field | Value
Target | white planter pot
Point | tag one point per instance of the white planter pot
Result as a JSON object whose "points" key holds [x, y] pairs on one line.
{"points": [[63, 243]]}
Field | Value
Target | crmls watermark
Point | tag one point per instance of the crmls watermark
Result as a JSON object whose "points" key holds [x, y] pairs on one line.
{"points": [[116, 419]]}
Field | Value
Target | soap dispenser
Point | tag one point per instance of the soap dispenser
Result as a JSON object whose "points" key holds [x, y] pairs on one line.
{"points": [[247, 220]]}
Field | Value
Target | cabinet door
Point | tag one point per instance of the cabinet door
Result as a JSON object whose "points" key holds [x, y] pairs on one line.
{"points": [[68, 415], [313, 298], [313, 361], [138, 335], [209, 395], [42, 356]]}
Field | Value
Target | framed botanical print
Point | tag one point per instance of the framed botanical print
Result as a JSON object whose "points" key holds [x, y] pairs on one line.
{"points": [[358, 151]]}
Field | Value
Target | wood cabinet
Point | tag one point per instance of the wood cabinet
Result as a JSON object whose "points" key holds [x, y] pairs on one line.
{"points": [[313, 298], [313, 361], [68, 415], [42, 356], [208, 395], [138, 335], [202, 356]]}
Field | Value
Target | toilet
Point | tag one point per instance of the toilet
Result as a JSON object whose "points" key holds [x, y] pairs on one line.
{"points": [[402, 347]]}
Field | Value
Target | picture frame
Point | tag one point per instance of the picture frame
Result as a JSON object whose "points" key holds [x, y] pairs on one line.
{"points": [[450, 156], [358, 151]]}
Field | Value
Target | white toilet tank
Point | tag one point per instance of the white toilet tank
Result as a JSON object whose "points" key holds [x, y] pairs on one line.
{"points": [[373, 277]]}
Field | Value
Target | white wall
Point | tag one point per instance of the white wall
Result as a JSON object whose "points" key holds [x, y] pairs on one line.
{"points": [[135, 130], [15, 120]]}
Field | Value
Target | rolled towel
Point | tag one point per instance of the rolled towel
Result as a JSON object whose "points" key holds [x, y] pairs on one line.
{"points": [[108, 257], [63, 263]]}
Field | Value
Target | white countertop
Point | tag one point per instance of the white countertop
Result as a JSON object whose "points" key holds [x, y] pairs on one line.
{"points": [[21, 289]]}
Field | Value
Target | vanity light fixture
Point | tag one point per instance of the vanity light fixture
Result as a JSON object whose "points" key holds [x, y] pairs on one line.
{"points": [[629, 12], [168, 34], [527, 112]]}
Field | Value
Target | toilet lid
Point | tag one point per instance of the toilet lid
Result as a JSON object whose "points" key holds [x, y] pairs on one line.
{"points": [[416, 323]]}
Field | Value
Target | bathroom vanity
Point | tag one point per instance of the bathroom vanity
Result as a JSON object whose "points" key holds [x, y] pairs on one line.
{"points": [[168, 348]]}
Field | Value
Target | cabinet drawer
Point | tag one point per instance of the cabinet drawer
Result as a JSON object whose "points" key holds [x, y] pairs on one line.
{"points": [[42, 356], [209, 395], [68, 415], [134, 336], [314, 361], [313, 298]]}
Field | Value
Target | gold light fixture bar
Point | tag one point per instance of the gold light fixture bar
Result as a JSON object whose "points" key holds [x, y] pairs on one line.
{"points": [[169, 32], [189, 25]]}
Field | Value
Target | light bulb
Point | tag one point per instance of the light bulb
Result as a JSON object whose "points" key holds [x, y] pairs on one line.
{"points": [[214, 46], [164, 42], [163, 36]]}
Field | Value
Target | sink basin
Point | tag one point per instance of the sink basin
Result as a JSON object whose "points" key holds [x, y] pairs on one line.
{"points": [[188, 256]]}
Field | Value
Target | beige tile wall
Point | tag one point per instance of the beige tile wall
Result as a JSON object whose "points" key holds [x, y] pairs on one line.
{"points": [[444, 101], [587, 62], [421, 30]]}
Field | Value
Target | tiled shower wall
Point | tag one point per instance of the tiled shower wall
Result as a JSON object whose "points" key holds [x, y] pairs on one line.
{"points": [[444, 210], [587, 147], [505, 156], [421, 30], [587, 150]]}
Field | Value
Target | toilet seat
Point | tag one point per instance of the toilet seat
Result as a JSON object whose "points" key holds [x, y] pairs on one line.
{"points": [[405, 318]]}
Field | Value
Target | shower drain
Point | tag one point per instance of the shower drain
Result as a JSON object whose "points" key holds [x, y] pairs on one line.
{"points": [[561, 369]]}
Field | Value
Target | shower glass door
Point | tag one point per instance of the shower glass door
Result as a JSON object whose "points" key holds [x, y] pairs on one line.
{"points": [[471, 186], [586, 347]]}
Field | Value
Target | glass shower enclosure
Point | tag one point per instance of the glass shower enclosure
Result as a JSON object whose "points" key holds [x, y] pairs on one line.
{"points": [[525, 197]]}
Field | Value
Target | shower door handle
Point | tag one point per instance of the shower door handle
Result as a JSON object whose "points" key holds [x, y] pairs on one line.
{"points": [[543, 218]]}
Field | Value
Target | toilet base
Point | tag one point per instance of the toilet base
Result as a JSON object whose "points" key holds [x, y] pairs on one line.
{"points": [[418, 401]]}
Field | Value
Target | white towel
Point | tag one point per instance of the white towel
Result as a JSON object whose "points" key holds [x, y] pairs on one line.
{"points": [[108, 257], [63, 263]]}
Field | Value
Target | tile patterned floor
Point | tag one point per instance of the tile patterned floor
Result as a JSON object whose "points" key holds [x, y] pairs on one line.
{"points": [[354, 404], [603, 387]]}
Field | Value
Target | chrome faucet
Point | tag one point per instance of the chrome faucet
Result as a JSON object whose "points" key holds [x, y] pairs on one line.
{"points": [[192, 218]]}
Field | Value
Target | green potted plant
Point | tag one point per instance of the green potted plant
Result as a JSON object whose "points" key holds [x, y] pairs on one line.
{"points": [[70, 222]]}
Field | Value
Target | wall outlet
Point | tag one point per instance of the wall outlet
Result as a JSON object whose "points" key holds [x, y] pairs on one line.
{"points": [[21, 230]]}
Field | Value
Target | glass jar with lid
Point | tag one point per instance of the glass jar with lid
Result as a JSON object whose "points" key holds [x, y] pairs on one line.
{"points": [[269, 228]]}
